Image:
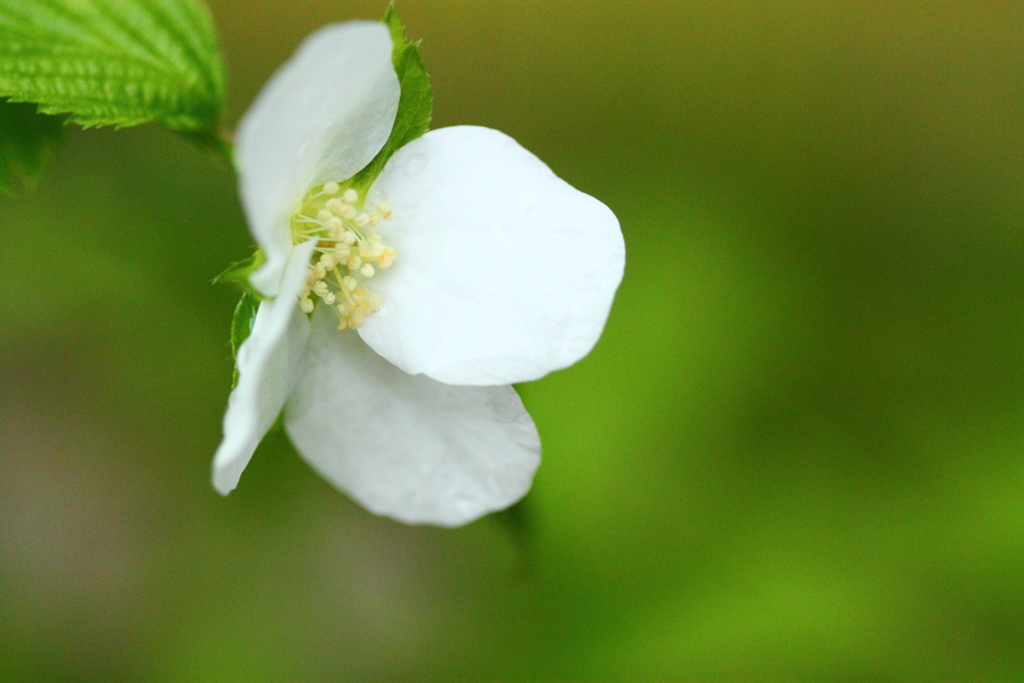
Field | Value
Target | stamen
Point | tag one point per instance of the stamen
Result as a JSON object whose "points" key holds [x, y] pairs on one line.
{"points": [[343, 240]]}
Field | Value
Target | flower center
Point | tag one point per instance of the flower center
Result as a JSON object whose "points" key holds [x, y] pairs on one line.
{"points": [[346, 250]]}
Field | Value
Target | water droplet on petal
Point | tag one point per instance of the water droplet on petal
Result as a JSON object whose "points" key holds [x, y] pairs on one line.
{"points": [[415, 164]]}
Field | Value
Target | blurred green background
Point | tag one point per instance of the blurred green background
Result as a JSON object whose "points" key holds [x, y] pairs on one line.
{"points": [[797, 454]]}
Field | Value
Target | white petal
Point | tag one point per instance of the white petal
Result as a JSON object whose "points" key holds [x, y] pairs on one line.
{"points": [[504, 271], [407, 446], [323, 116], [268, 366]]}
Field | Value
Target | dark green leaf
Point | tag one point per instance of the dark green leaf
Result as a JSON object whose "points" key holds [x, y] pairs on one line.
{"points": [[414, 107], [241, 325], [115, 62], [26, 141]]}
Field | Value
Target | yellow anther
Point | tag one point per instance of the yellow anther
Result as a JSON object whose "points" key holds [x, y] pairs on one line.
{"points": [[387, 258], [345, 238]]}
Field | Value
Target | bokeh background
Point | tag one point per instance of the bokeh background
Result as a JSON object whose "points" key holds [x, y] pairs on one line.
{"points": [[797, 454]]}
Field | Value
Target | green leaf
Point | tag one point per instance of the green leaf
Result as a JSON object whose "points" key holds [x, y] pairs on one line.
{"points": [[115, 62], [27, 140], [241, 326], [414, 106], [238, 273]]}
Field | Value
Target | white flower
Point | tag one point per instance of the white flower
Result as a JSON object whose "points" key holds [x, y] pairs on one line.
{"points": [[501, 273]]}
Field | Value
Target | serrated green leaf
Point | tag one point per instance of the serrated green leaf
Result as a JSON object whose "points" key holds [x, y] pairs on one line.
{"points": [[241, 326], [115, 62], [414, 106], [27, 139]]}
